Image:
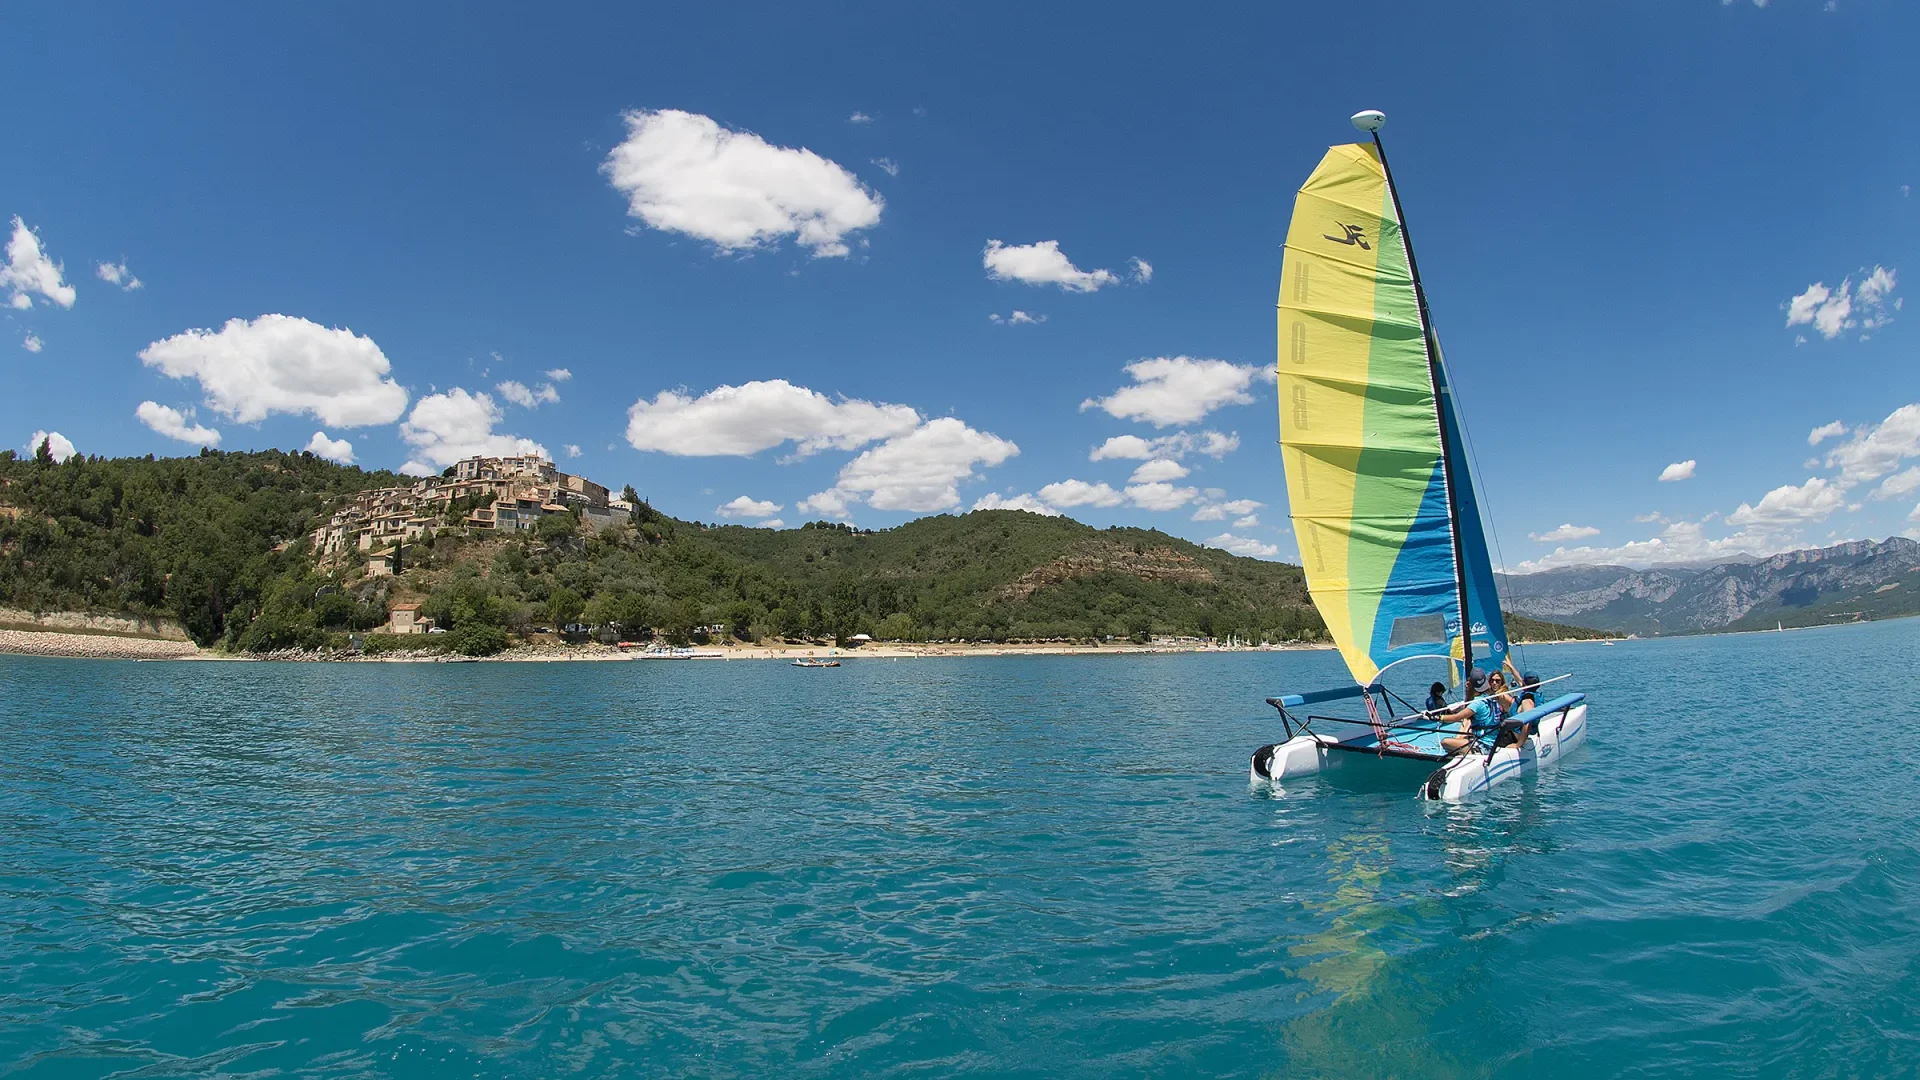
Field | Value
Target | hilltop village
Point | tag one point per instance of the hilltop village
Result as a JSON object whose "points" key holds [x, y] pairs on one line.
{"points": [[486, 493]]}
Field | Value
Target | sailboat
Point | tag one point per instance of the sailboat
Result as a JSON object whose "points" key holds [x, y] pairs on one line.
{"points": [[1382, 501]]}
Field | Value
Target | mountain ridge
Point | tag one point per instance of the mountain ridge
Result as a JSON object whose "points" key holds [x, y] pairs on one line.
{"points": [[1806, 587]]}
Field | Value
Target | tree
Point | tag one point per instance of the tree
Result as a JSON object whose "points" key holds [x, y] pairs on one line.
{"points": [[556, 527], [565, 606], [43, 455]]}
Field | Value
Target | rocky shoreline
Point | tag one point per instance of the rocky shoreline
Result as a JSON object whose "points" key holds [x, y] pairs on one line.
{"points": [[95, 646]]}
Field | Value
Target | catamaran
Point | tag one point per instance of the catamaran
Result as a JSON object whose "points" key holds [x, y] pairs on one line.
{"points": [[1382, 501]]}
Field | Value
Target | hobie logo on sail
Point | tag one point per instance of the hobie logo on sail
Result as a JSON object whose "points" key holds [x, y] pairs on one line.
{"points": [[1355, 235]]}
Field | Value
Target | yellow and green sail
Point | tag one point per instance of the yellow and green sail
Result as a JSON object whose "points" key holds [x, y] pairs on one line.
{"points": [[1363, 404]]}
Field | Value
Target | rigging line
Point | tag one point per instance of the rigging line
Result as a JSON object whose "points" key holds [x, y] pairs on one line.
{"points": [[1485, 499]]}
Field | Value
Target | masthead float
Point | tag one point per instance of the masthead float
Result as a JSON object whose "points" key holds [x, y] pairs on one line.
{"points": [[1382, 497]]}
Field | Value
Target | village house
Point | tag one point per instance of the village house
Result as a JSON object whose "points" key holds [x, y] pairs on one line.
{"points": [[406, 619], [506, 493]]}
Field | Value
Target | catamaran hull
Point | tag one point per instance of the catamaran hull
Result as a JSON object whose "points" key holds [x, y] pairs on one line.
{"points": [[1458, 778], [1468, 775]]}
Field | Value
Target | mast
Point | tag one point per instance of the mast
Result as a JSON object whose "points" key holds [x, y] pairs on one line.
{"points": [[1370, 122]]}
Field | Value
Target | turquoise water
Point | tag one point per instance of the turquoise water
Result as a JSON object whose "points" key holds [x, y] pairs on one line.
{"points": [[1018, 866]]}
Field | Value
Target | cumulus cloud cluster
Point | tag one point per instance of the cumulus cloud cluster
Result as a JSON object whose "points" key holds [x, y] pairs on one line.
{"points": [[1212, 444], [1832, 312], [58, 445], [1043, 264], [174, 424], [446, 427], [920, 471], [742, 506], [339, 450], [682, 172], [250, 370], [1170, 390], [528, 397], [29, 272], [742, 420], [118, 274]]}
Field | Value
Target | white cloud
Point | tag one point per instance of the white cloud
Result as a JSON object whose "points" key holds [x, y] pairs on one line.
{"points": [[573, 449], [339, 450], [888, 166], [920, 471], [1018, 318], [57, 444], [993, 501], [1221, 511], [1832, 312], [772, 523], [684, 173], [1244, 545], [1248, 522], [1821, 434], [1877, 449], [175, 424], [1170, 390], [118, 274], [862, 118], [1041, 264], [1899, 484], [1143, 272], [1080, 493], [831, 502], [742, 420], [558, 374], [1181, 443], [528, 397], [1160, 496], [1877, 287], [29, 271], [447, 427], [1679, 470], [742, 506], [281, 364], [1562, 534], [32, 342], [1791, 505], [1158, 469], [1679, 541]]}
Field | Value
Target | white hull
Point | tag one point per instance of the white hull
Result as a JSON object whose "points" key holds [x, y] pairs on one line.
{"points": [[1467, 775], [1457, 778]]}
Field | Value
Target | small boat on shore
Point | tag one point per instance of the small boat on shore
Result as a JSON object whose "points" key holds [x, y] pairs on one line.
{"points": [[1381, 491], [811, 662]]}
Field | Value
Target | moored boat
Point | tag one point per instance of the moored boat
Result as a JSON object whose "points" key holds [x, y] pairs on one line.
{"points": [[811, 662], [1381, 494]]}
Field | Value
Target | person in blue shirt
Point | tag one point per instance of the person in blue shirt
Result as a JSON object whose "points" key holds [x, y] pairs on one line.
{"points": [[1476, 714], [1437, 698]]}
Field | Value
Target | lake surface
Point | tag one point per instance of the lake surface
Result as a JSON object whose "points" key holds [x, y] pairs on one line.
{"points": [[994, 867]]}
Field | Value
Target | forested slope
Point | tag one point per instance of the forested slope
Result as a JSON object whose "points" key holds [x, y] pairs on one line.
{"points": [[219, 542]]}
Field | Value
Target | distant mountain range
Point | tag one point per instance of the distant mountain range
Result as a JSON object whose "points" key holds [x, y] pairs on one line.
{"points": [[1860, 579]]}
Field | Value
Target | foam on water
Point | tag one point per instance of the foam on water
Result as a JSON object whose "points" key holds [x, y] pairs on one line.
{"points": [[1012, 866]]}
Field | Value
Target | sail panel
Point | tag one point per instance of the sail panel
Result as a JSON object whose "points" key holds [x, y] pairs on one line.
{"points": [[1359, 427], [1483, 597]]}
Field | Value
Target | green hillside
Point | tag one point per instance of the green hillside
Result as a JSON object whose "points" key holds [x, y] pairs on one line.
{"points": [[218, 542], [1523, 629]]}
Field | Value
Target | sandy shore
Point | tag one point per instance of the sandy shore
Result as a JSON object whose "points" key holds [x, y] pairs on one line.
{"points": [[98, 646]]}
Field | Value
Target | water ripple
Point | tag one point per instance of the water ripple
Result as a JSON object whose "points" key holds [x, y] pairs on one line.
{"points": [[1003, 867]]}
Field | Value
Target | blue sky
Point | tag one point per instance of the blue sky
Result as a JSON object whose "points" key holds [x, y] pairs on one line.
{"points": [[355, 221]]}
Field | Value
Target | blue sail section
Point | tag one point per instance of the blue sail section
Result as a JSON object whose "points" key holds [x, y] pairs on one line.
{"points": [[1483, 598], [1419, 611]]}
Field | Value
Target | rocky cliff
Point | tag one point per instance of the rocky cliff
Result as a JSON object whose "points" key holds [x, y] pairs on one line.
{"points": [[1858, 579]]}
